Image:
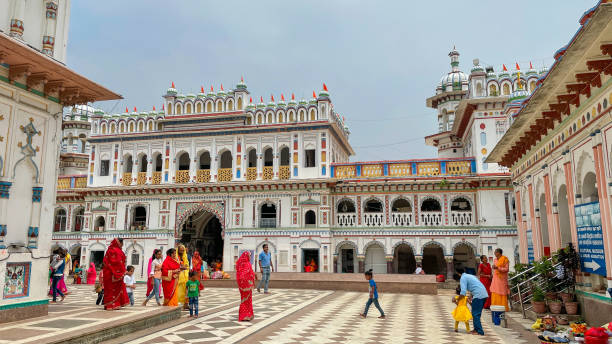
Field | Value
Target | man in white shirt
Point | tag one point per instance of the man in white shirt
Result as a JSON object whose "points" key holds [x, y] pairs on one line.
{"points": [[130, 283]]}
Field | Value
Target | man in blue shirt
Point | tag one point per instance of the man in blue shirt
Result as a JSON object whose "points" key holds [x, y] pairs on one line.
{"points": [[265, 265], [479, 296]]}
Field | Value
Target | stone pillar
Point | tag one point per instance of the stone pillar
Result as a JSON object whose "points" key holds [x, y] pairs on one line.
{"points": [[361, 262], [450, 267], [571, 201], [389, 264], [4, 198], [538, 248], [522, 231], [17, 24], [554, 234], [604, 204], [48, 41]]}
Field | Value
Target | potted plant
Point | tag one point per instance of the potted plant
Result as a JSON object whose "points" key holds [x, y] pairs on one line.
{"points": [[555, 305], [571, 306], [537, 300]]}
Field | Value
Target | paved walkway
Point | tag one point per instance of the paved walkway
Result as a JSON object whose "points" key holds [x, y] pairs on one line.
{"points": [[284, 316]]}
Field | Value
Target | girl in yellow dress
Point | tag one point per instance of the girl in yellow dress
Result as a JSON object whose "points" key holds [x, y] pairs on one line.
{"points": [[461, 313]]}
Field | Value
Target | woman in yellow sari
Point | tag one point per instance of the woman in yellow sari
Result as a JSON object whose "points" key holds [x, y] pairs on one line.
{"points": [[499, 285], [183, 276]]}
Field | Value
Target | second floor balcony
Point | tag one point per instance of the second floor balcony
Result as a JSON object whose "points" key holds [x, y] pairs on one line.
{"points": [[405, 168]]}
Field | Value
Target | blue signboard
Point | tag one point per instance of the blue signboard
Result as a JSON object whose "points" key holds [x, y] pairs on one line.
{"points": [[590, 238], [530, 255]]}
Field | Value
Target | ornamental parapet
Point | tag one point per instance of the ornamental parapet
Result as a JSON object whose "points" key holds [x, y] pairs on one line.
{"points": [[71, 182], [405, 168]]}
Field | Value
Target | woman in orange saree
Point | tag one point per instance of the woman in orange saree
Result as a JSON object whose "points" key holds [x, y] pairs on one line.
{"points": [[115, 295], [170, 270], [499, 286], [485, 274], [246, 282]]}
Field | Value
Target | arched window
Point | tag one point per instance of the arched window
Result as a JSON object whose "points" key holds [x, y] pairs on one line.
{"points": [[252, 158], [230, 105], [113, 128], [131, 127], [312, 115], [141, 126], [205, 161], [158, 162], [199, 107], [179, 109], [479, 89], [169, 108], [284, 156], [143, 163], [188, 108], [431, 204], [310, 218], [270, 117], [127, 163], [60, 220], [373, 206], [209, 107], [99, 224], [401, 205], [267, 218], [461, 204], [302, 115], [240, 103], [226, 159], [159, 127], [150, 126], [532, 85], [183, 162], [139, 217], [219, 106], [103, 126], [268, 157], [346, 206], [122, 127], [280, 118], [259, 118], [291, 116], [493, 90], [79, 215], [506, 89], [249, 120]]}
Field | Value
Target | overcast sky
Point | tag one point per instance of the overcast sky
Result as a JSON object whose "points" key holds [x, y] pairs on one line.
{"points": [[379, 59]]}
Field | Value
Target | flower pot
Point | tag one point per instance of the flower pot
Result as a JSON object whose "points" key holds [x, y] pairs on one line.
{"points": [[551, 295], [571, 307], [539, 306], [566, 297], [555, 307]]}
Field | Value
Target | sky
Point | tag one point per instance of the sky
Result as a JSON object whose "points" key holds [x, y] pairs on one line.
{"points": [[379, 59]]}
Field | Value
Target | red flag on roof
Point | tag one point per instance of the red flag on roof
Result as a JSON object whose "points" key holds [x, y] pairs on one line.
{"points": [[261, 99], [202, 89], [292, 96], [282, 97], [272, 97], [504, 67], [153, 107], [324, 87], [135, 109], [530, 66], [314, 95], [163, 107], [211, 88], [221, 87], [172, 84], [241, 79], [126, 109], [517, 66], [250, 99]]}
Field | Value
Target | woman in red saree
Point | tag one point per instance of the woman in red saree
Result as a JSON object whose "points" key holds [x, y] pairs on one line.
{"points": [[115, 295], [170, 271], [485, 275], [91, 274], [196, 267], [246, 281]]}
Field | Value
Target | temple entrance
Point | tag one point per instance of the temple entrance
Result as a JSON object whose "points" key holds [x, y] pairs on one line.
{"points": [[96, 257], [403, 259], [347, 258], [375, 259], [310, 259], [202, 232], [465, 258], [433, 260]]}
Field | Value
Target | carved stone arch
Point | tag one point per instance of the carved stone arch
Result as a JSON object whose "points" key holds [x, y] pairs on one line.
{"points": [[96, 246], [134, 245], [201, 105], [227, 104], [209, 105], [269, 114], [26, 159], [582, 169], [558, 179], [466, 197], [404, 197], [345, 242], [403, 242], [318, 244], [342, 199], [72, 247], [434, 243], [57, 245], [289, 113], [467, 243], [370, 198], [271, 245], [374, 242], [281, 116], [427, 197], [184, 210]]}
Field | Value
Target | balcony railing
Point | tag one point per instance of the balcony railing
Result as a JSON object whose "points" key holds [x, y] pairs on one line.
{"points": [[373, 219], [138, 225], [268, 172], [156, 178], [71, 182], [431, 219], [182, 176], [267, 223], [347, 219], [401, 219], [203, 176], [251, 173], [127, 179], [461, 218], [405, 168], [142, 178], [225, 175], [284, 172]]}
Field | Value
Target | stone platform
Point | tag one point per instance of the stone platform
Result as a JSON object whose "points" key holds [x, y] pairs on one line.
{"points": [[390, 283]]}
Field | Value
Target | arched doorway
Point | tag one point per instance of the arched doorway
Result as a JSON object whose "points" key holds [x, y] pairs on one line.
{"points": [[433, 259], [403, 259], [346, 257], [75, 255], [544, 226], [464, 257], [203, 232], [375, 259]]}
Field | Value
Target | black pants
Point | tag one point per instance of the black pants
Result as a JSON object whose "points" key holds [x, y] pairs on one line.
{"points": [[100, 297]]}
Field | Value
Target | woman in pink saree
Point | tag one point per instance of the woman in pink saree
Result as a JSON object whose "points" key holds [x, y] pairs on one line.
{"points": [[245, 276], [91, 274]]}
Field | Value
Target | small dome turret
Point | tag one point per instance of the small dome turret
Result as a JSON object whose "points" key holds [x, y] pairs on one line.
{"points": [[211, 93], [455, 79], [282, 103], [324, 93], [250, 106], [171, 91], [221, 92], [292, 102], [241, 85], [261, 104], [201, 94]]}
